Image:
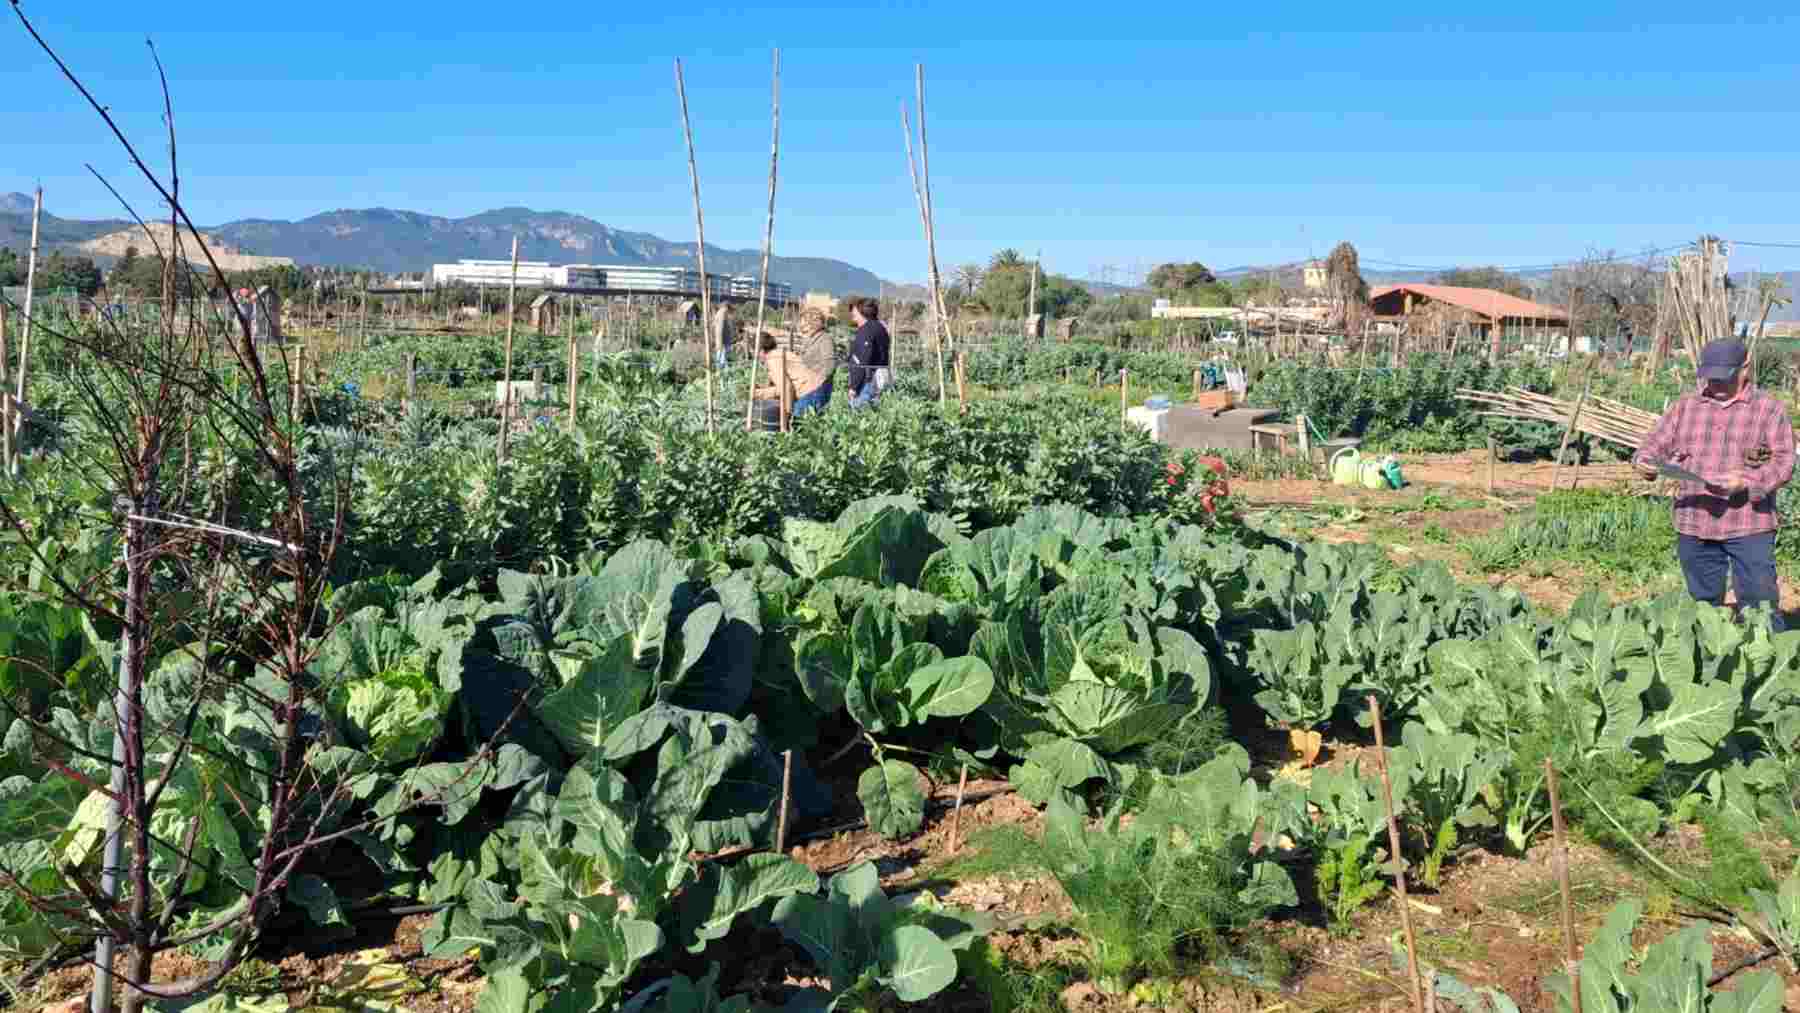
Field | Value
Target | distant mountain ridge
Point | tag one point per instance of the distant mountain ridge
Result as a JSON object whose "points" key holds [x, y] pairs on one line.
{"points": [[391, 240]]}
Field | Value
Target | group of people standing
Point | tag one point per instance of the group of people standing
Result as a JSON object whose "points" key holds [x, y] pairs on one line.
{"points": [[807, 359]]}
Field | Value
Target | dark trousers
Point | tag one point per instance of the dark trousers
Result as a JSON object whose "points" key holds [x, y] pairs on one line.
{"points": [[1750, 559]]}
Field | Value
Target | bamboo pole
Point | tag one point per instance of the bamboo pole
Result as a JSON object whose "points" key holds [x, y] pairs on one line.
{"points": [[706, 319], [962, 786], [574, 374], [512, 289], [785, 393], [1124, 397], [299, 378], [1569, 430], [1387, 796], [962, 384], [930, 209], [938, 323], [1493, 459], [1570, 963], [787, 781], [762, 300]]}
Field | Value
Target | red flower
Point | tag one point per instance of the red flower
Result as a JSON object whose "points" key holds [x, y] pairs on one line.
{"points": [[1215, 464]]}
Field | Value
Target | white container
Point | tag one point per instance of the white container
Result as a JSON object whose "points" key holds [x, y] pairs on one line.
{"points": [[524, 390], [1152, 420]]}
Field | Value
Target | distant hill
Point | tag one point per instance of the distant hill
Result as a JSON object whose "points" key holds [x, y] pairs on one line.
{"points": [[114, 244], [394, 241]]}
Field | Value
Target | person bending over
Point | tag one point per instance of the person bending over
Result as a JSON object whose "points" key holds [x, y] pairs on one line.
{"points": [[806, 364]]}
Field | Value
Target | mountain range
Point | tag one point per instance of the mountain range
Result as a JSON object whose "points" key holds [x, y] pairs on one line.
{"points": [[397, 241]]}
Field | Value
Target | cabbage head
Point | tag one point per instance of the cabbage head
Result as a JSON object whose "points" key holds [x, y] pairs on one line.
{"points": [[396, 714]]}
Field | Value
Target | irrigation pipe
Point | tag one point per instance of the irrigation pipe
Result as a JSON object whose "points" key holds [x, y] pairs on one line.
{"points": [[1746, 961]]}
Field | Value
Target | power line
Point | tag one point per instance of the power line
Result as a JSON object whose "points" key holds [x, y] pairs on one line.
{"points": [[1517, 268]]}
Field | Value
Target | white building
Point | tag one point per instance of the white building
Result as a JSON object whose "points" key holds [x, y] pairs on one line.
{"points": [[746, 286], [532, 273], [673, 280], [644, 278]]}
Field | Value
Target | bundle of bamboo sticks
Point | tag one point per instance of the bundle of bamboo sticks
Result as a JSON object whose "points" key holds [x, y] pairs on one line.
{"points": [[1695, 285], [1601, 417]]}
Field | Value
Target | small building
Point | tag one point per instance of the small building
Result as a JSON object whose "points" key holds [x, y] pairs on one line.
{"points": [[265, 315], [1163, 309], [688, 312], [1481, 309], [1312, 275], [544, 311]]}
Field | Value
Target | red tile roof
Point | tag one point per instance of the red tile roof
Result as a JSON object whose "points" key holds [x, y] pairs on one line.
{"points": [[1484, 301]]}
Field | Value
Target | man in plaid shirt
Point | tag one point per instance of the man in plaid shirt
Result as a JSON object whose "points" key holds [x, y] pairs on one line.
{"points": [[1740, 441]]}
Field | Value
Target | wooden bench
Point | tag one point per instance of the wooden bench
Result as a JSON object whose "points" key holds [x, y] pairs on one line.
{"points": [[1273, 436]]}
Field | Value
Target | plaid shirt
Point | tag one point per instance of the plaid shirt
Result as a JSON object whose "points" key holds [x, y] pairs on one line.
{"points": [[1714, 438]]}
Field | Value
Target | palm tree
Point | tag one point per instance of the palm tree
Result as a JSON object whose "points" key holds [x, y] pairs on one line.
{"points": [[1769, 288], [967, 277], [1006, 260]]}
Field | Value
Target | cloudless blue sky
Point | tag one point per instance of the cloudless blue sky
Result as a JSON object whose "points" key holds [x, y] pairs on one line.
{"points": [[1122, 134]]}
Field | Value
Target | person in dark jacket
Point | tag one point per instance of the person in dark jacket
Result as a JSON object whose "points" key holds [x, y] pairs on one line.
{"points": [[868, 353]]}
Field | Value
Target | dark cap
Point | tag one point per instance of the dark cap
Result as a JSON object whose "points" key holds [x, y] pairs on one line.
{"points": [[1720, 360]]}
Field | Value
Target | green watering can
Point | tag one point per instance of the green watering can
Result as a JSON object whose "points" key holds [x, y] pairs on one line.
{"points": [[1347, 467]]}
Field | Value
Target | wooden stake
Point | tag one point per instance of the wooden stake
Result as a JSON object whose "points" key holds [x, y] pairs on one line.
{"points": [[762, 300], [1569, 430], [574, 373], [1124, 396], [1493, 460], [1387, 797], [1196, 386], [1571, 964], [962, 384], [1303, 432], [299, 377], [706, 320], [512, 289], [787, 782], [786, 393], [962, 785], [412, 378]]}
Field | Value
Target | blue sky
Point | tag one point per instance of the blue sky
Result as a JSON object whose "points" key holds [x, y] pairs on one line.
{"points": [[1103, 136]]}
